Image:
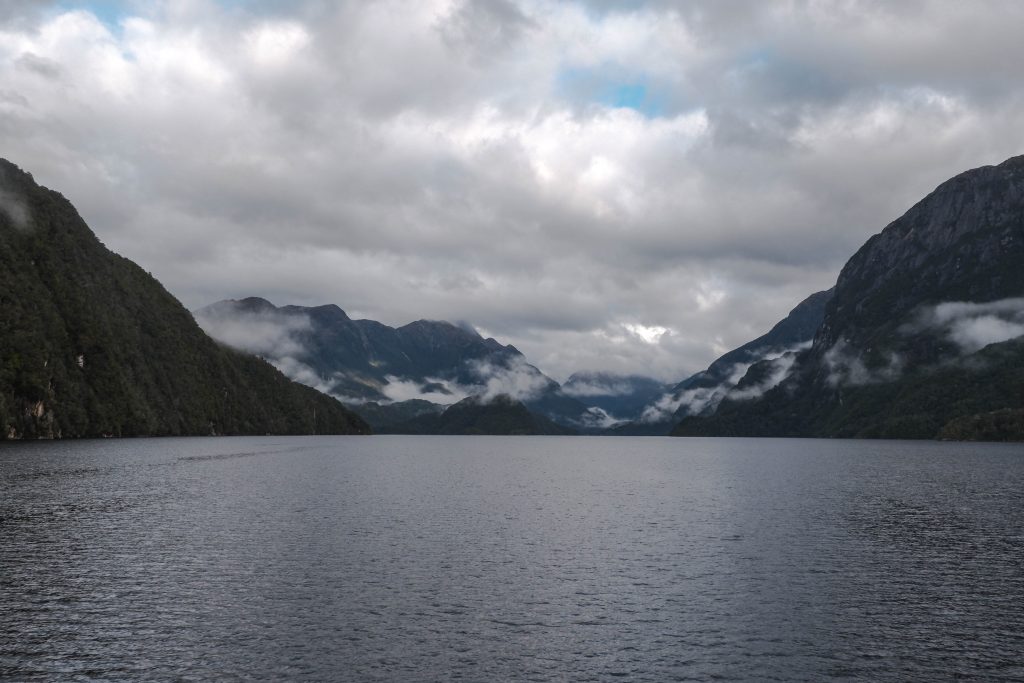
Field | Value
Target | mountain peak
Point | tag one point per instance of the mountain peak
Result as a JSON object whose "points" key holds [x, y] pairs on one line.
{"points": [[884, 362]]}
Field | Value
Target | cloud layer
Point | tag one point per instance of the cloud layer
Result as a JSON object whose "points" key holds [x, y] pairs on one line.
{"points": [[633, 187], [973, 326]]}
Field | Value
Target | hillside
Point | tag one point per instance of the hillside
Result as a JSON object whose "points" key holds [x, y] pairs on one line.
{"points": [[922, 338], [701, 393], [91, 345], [500, 416]]}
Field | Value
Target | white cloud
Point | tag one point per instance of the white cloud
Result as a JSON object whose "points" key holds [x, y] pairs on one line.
{"points": [[598, 418], [697, 400], [515, 378], [705, 399], [298, 371], [15, 209], [973, 326], [846, 367], [399, 389], [269, 334], [976, 333], [274, 44], [550, 171], [648, 333], [779, 371]]}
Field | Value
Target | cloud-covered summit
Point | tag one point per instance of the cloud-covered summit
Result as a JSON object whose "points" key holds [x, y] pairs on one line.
{"points": [[632, 187]]}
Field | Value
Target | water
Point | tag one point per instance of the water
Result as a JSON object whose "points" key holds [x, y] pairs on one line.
{"points": [[489, 559]]}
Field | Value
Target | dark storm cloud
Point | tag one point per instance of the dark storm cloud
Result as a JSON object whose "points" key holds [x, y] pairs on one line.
{"points": [[624, 186]]}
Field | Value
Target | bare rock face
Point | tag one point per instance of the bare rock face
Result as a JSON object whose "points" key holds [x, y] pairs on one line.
{"points": [[963, 242]]}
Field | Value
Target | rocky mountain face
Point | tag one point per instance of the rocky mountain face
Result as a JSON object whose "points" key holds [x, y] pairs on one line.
{"points": [[730, 374], [91, 345], [922, 337], [354, 358], [367, 363]]}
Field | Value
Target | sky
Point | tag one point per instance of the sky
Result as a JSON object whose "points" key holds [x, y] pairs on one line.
{"points": [[633, 186]]}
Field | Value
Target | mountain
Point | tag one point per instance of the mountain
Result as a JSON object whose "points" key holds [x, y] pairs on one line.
{"points": [[621, 397], [353, 358], [923, 335], [91, 345], [501, 415], [367, 362], [383, 416], [700, 394]]}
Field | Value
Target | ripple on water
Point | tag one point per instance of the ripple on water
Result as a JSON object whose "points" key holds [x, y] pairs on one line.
{"points": [[543, 559]]}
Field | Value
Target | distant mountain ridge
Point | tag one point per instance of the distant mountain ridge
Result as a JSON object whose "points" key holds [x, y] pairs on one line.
{"points": [[924, 336], [365, 362], [91, 345], [498, 416], [355, 357]]}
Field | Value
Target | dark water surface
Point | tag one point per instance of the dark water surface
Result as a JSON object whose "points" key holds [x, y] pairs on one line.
{"points": [[511, 558]]}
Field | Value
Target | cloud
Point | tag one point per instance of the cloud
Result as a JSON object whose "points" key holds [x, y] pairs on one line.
{"points": [[973, 326], [697, 400], [514, 377], [270, 334], [15, 209], [778, 370], [552, 172], [511, 377], [598, 418], [976, 333], [599, 386], [435, 390], [847, 367], [298, 371], [650, 334], [274, 336], [484, 28], [694, 400], [704, 398]]}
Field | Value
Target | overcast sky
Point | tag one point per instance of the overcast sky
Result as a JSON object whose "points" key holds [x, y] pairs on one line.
{"points": [[629, 186]]}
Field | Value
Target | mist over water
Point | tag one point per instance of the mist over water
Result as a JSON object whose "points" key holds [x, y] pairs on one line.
{"points": [[511, 558]]}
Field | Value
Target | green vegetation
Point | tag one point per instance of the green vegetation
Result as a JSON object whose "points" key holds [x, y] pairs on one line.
{"points": [[91, 345], [382, 416], [975, 398], [502, 415], [999, 425]]}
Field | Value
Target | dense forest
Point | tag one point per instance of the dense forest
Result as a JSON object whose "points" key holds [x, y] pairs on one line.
{"points": [[500, 415], [91, 345]]}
